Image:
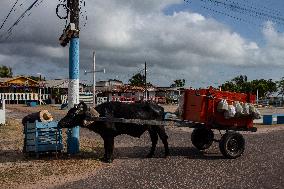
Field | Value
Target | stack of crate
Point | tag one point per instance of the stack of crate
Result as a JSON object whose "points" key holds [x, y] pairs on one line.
{"points": [[42, 137]]}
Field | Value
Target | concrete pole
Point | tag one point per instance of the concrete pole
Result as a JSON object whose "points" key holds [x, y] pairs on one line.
{"points": [[94, 80], [146, 96], [73, 93], [39, 96], [257, 96], [73, 89]]}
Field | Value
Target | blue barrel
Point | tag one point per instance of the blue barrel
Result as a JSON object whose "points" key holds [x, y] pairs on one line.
{"points": [[33, 104], [267, 119], [280, 119]]}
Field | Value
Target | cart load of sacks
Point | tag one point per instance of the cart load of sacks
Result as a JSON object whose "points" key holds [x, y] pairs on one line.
{"points": [[238, 109]]}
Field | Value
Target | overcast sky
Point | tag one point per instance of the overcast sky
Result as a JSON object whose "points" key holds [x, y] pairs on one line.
{"points": [[178, 40]]}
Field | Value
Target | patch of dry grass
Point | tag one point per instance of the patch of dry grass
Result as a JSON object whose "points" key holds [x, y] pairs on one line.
{"points": [[19, 169]]}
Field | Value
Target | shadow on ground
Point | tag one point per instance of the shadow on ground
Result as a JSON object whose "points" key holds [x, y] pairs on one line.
{"points": [[187, 152], [119, 153], [13, 156]]}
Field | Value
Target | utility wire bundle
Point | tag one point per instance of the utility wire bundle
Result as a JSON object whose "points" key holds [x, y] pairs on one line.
{"points": [[242, 11], [27, 12]]}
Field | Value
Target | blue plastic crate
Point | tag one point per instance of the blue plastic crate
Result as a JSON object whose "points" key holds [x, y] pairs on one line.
{"points": [[280, 119], [42, 137], [267, 119]]}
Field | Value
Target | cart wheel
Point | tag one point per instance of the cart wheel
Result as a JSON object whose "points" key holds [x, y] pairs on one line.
{"points": [[202, 138], [232, 145]]}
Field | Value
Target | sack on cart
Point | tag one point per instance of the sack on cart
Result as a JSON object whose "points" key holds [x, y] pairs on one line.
{"points": [[222, 106], [246, 110], [179, 110], [254, 112], [230, 113], [239, 108]]}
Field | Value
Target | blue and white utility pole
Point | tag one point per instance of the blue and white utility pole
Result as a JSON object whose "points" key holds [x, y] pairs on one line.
{"points": [[74, 72]]}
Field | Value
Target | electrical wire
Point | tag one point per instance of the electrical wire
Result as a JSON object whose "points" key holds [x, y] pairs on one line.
{"points": [[236, 7], [257, 7], [65, 7], [9, 14], [242, 9], [239, 9], [249, 11], [9, 31]]}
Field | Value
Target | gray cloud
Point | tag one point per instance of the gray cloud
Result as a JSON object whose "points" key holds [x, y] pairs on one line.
{"points": [[127, 33]]}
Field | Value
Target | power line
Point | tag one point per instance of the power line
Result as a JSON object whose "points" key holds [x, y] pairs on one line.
{"points": [[236, 7], [257, 7], [254, 13], [9, 31], [64, 4], [8, 14], [231, 16]]}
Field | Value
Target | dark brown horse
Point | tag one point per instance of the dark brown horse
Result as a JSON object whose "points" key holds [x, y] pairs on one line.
{"points": [[77, 116]]}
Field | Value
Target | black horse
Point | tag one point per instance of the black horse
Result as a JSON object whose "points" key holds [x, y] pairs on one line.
{"points": [[78, 115]]}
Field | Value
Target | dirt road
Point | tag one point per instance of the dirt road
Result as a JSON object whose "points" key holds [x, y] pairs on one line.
{"points": [[261, 166]]}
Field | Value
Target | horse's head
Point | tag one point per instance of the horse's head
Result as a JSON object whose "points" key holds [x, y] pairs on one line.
{"points": [[75, 116]]}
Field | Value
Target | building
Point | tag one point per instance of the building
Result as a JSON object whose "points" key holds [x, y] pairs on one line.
{"points": [[23, 89], [20, 90], [168, 94], [19, 84]]}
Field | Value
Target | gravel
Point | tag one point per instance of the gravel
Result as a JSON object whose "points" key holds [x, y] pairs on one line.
{"points": [[261, 166]]}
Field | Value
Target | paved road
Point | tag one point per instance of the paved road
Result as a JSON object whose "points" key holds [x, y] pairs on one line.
{"points": [[262, 165]]}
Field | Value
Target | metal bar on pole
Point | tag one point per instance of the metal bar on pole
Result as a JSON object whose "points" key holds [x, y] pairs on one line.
{"points": [[257, 96], [94, 80], [146, 82]]}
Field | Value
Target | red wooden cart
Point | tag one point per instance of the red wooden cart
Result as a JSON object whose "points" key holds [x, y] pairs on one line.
{"points": [[200, 107]]}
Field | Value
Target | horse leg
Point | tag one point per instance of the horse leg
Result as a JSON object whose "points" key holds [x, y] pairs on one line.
{"points": [[154, 139], [164, 137], [108, 146]]}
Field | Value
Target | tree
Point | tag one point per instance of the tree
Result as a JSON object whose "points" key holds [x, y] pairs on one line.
{"points": [[6, 71], [241, 84], [228, 86], [239, 80], [264, 87], [137, 80], [280, 86], [178, 83], [237, 84]]}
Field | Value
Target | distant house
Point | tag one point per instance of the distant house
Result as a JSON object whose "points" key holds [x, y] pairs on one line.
{"points": [[168, 94], [58, 89], [114, 90], [20, 90], [274, 99], [20, 84]]}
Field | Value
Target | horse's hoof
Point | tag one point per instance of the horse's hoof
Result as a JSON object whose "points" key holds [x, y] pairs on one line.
{"points": [[149, 156], [167, 155], [106, 160]]}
